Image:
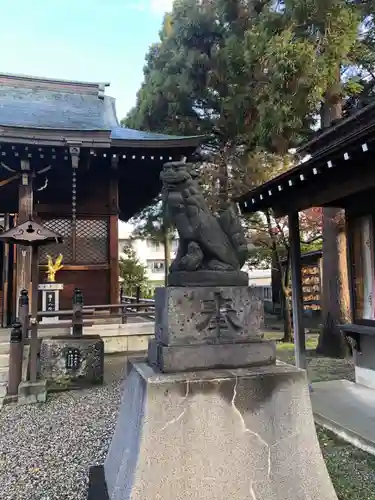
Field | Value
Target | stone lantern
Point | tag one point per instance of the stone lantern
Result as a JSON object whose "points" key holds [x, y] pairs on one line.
{"points": [[30, 233]]}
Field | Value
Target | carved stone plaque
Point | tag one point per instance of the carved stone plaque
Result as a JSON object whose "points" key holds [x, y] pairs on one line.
{"points": [[198, 315]]}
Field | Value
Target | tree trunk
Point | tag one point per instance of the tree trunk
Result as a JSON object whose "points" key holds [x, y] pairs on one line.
{"points": [[284, 280], [288, 335], [335, 292], [223, 182]]}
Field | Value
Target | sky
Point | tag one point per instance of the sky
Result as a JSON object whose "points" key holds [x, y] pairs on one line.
{"points": [[88, 40]]}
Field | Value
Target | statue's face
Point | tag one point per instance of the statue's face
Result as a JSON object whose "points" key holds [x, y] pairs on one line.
{"points": [[174, 174]]}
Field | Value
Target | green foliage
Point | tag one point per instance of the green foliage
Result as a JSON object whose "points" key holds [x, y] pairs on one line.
{"points": [[151, 223], [132, 271], [249, 73], [252, 76]]}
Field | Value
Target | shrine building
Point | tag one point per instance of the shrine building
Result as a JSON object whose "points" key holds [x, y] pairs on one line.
{"points": [[65, 159], [338, 173]]}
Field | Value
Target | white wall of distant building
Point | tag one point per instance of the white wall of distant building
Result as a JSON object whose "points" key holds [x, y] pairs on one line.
{"points": [[151, 255]]}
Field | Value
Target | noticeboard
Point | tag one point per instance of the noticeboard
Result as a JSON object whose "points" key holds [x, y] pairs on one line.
{"points": [[311, 287]]}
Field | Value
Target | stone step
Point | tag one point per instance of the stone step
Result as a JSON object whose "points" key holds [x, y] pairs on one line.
{"points": [[3, 376], [4, 361], [4, 335], [4, 347], [3, 392]]}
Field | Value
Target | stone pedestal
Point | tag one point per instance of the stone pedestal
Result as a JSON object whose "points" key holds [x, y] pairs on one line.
{"points": [[72, 362], [201, 328], [245, 434], [50, 299], [211, 416]]}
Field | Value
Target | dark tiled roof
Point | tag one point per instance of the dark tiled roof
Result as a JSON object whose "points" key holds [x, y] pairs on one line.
{"points": [[41, 103], [52, 109]]}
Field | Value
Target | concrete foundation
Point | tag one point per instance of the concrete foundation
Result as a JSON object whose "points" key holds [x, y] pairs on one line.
{"points": [[131, 337], [32, 392], [245, 434], [365, 362]]}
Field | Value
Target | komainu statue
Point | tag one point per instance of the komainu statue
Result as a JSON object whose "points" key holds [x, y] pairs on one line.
{"points": [[212, 249]]}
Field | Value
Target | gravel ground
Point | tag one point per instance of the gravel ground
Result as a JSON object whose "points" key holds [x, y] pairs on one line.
{"points": [[46, 449]]}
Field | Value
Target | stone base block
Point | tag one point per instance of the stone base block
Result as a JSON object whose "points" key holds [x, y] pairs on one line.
{"points": [[365, 362], [3, 394], [68, 362], [97, 484], [198, 315], [32, 392], [216, 435], [171, 359], [205, 277]]}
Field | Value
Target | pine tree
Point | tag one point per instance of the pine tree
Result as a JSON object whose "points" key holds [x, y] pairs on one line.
{"points": [[257, 77]]}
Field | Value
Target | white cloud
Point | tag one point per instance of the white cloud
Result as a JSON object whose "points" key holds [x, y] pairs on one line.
{"points": [[155, 6], [161, 5]]}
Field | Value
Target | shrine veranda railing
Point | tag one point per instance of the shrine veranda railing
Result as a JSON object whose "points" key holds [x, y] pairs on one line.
{"points": [[129, 309]]}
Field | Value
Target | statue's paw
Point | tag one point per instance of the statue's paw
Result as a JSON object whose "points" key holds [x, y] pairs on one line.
{"points": [[190, 263], [217, 265]]}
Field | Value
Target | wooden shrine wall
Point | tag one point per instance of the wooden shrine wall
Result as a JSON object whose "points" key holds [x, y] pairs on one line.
{"points": [[90, 258]]}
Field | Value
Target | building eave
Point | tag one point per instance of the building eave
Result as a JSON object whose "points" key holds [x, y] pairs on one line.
{"points": [[338, 132], [55, 137], [173, 143], [90, 138], [278, 192]]}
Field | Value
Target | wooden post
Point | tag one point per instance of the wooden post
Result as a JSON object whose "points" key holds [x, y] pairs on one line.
{"points": [[5, 277], [23, 307], [25, 211], [113, 233], [297, 302], [137, 294], [34, 314], [77, 319], [124, 318], [15, 359]]}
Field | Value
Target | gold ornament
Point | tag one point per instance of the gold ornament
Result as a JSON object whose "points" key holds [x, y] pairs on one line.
{"points": [[53, 268]]}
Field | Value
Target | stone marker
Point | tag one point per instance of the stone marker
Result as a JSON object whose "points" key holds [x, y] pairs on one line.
{"points": [[211, 415], [68, 362]]}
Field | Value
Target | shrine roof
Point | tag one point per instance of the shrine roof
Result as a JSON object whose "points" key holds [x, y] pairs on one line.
{"points": [[119, 134], [35, 108], [56, 104], [337, 167]]}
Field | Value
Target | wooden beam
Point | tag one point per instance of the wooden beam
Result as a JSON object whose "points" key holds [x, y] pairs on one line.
{"points": [[25, 210], [5, 277], [324, 193], [79, 267], [298, 327], [89, 210]]}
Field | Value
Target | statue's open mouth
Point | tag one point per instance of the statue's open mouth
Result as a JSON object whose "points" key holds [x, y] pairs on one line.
{"points": [[174, 178]]}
